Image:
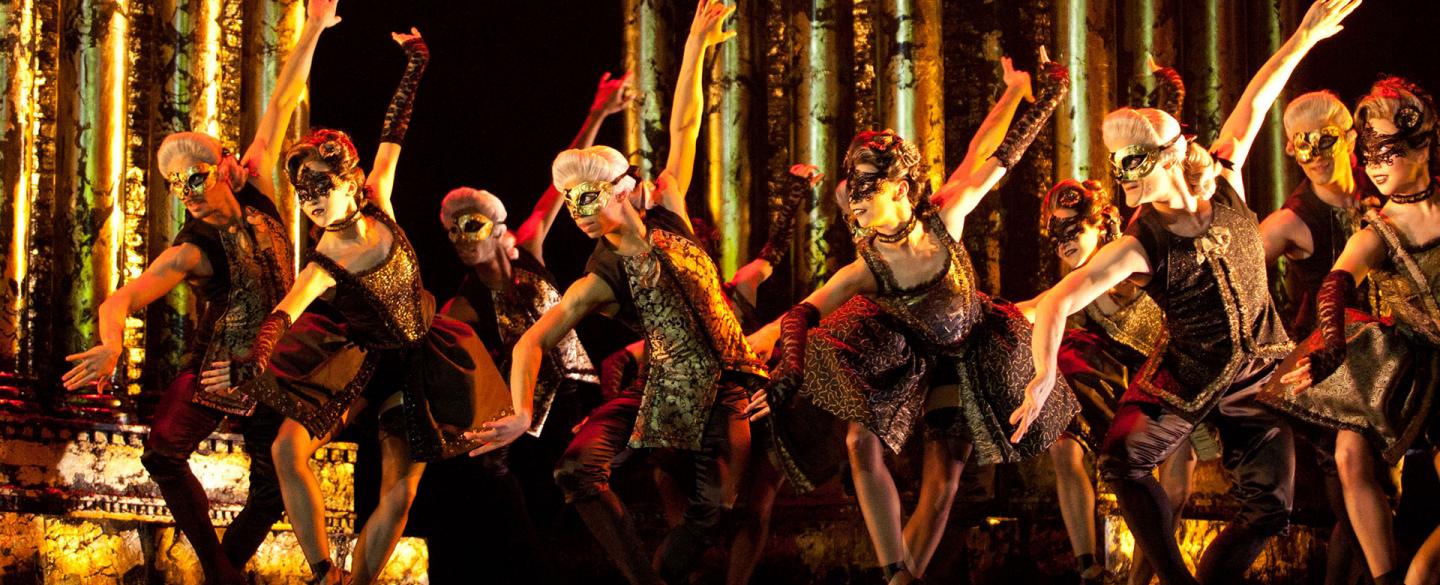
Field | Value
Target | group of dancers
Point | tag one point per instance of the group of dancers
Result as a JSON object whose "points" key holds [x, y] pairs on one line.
{"points": [[1160, 345]]}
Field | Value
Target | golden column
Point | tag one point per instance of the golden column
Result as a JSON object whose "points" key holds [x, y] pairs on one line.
{"points": [[1268, 170], [648, 56], [92, 163], [820, 137], [1079, 149], [727, 141], [911, 96], [30, 30], [271, 31]]}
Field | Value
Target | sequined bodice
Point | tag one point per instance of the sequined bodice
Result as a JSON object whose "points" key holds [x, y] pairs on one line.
{"points": [[1137, 324], [386, 306], [1409, 279], [941, 310]]}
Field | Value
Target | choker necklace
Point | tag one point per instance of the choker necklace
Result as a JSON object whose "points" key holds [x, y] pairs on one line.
{"points": [[1415, 197], [900, 234], [345, 223]]}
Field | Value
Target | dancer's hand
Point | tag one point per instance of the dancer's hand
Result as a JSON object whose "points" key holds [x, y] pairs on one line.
{"points": [[809, 172], [93, 365], [1300, 378], [762, 342], [1017, 79], [1322, 21], [498, 433], [402, 38], [759, 407], [709, 23], [217, 378], [1036, 393], [322, 13], [1152, 64], [613, 95]]}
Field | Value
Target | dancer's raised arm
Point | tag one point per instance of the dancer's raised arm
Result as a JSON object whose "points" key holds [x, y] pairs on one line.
{"points": [[1236, 137], [265, 148], [963, 191], [612, 96], [706, 30], [397, 119]]}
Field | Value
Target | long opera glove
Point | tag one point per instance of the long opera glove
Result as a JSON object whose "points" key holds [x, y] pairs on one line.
{"points": [[1169, 93], [1336, 292], [782, 230], [789, 370], [1054, 82], [397, 115]]}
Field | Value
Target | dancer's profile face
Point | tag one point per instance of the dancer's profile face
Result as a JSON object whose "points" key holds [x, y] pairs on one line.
{"points": [[607, 219], [883, 206], [1400, 173], [1075, 239], [325, 198]]}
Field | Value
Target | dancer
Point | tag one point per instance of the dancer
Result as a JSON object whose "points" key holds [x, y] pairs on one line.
{"points": [[1202, 262], [1309, 232], [655, 278], [428, 374], [1376, 381], [921, 339], [1098, 359], [506, 288], [234, 254]]}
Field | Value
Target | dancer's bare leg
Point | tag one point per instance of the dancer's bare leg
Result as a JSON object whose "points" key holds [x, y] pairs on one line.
{"points": [[399, 480], [940, 478], [1366, 502], [875, 490]]}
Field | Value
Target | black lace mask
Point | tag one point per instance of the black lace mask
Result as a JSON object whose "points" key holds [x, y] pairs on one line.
{"points": [[1381, 149]]}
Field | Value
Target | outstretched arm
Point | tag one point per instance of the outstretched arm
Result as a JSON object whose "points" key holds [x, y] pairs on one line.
{"points": [[1110, 266], [397, 119], [854, 279], [264, 150], [582, 298], [1238, 135], [1362, 252], [163, 275], [706, 30], [992, 130], [611, 97], [962, 193]]}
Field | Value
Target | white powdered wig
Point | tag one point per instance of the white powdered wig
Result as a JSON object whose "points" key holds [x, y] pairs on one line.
{"points": [[1314, 110], [593, 164], [462, 198]]}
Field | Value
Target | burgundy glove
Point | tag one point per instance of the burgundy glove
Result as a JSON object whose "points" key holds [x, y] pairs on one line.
{"points": [[1169, 93], [246, 368], [789, 370], [1336, 292], [617, 372]]}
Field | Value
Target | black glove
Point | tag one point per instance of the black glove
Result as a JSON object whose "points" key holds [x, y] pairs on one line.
{"points": [[1054, 82], [397, 116]]}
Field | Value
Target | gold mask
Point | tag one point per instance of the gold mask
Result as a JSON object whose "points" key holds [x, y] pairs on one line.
{"points": [[1312, 145], [193, 182], [471, 226]]}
